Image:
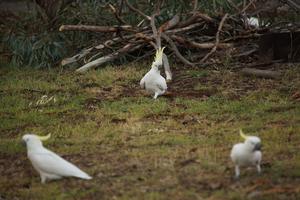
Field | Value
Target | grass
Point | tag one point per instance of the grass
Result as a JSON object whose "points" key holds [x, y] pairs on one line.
{"points": [[176, 147]]}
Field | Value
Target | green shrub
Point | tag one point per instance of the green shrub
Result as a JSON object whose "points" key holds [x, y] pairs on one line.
{"points": [[40, 50]]}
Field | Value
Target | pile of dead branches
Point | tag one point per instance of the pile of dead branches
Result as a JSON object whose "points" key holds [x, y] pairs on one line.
{"points": [[192, 39]]}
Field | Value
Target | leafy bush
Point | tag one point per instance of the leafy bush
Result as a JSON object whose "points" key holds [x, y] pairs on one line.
{"points": [[32, 41], [41, 50]]}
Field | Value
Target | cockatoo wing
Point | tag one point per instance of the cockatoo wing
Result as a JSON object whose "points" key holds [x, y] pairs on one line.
{"points": [[161, 83], [50, 163], [237, 152]]}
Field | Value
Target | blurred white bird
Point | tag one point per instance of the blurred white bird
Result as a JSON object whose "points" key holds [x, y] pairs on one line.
{"points": [[49, 165], [247, 153], [153, 82], [252, 21]]}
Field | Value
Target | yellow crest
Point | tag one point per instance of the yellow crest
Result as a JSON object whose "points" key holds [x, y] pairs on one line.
{"points": [[243, 135], [159, 54], [43, 138]]}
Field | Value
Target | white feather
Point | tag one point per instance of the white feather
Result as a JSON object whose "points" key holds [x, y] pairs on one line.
{"points": [[153, 82], [244, 154], [50, 165], [241, 156]]}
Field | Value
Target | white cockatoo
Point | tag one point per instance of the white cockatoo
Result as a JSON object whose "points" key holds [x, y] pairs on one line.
{"points": [[252, 21], [49, 165], [153, 82], [247, 153]]}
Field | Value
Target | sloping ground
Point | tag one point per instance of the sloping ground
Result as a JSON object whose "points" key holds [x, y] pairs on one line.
{"points": [[176, 147]]}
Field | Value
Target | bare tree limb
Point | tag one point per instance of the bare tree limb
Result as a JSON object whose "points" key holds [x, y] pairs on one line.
{"points": [[104, 29], [167, 67], [184, 29], [146, 38], [156, 34], [77, 57], [195, 7], [233, 5], [260, 73], [118, 17], [125, 49], [137, 10], [217, 38], [177, 53], [207, 45]]}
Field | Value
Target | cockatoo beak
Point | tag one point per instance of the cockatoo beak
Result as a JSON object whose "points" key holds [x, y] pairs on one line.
{"points": [[44, 138], [23, 143], [257, 147], [243, 135]]}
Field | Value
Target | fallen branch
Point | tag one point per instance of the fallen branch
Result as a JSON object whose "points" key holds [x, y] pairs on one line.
{"points": [[246, 53], [184, 29], [175, 50], [85, 52], [217, 38], [104, 29], [264, 64], [260, 73], [126, 49], [117, 15], [207, 45]]}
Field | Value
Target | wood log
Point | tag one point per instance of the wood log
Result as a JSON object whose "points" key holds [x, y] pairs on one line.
{"points": [[104, 29], [206, 45], [125, 49], [260, 73]]}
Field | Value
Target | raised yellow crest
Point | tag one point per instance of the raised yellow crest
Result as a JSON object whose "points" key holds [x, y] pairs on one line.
{"points": [[43, 138], [159, 54], [243, 135]]}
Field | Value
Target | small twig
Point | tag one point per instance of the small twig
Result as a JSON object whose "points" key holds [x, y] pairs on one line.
{"points": [[117, 15], [233, 5], [246, 6], [217, 38], [137, 10]]}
